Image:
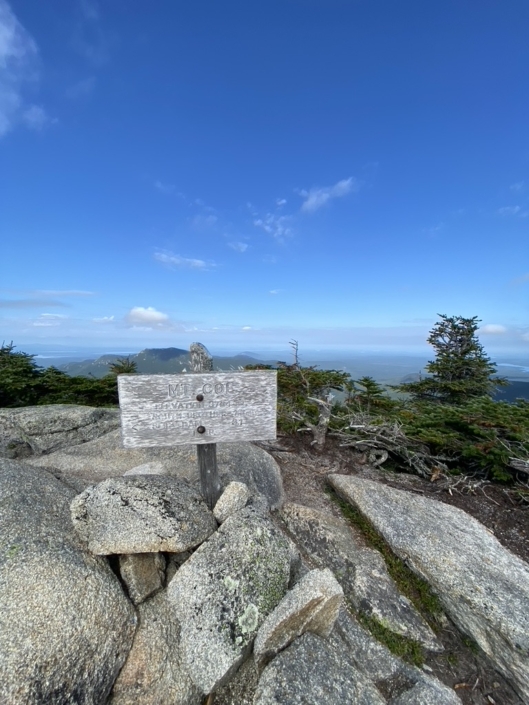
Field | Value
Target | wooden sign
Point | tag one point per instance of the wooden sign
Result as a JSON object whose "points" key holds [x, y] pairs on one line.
{"points": [[198, 408]]}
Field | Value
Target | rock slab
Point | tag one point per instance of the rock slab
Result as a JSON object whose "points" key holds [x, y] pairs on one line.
{"points": [[361, 571], [154, 673], [310, 670], [482, 586], [311, 606], [234, 497], [36, 430], [224, 591], [66, 626], [141, 514]]}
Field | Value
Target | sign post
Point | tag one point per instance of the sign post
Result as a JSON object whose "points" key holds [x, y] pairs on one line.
{"points": [[202, 361], [201, 408]]}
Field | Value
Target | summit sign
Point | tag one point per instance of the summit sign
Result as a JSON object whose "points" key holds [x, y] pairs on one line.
{"points": [[197, 408]]}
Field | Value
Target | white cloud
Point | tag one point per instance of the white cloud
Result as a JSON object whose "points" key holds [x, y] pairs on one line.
{"points": [[146, 317], [104, 319], [493, 329], [275, 291], [276, 226], [171, 260], [35, 118], [53, 316], [317, 197], [280, 202], [519, 186], [238, 246], [246, 328], [509, 210], [18, 61]]}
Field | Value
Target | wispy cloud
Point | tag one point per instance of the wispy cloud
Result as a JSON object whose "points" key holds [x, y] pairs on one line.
{"points": [[278, 226], [36, 118], [82, 89], [509, 210], [18, 64], [202, 222], [493, 329], [49, 320], [518, 186], [28, 303], [172, 260], [317, 197], [433, 231], [147, 317], [63, 292], [238, 246], [89, 39], [275, 291], [164, 188], [280, 202]]}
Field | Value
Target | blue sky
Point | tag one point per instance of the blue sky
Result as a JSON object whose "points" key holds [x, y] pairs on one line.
{"points": [[337, 172]]}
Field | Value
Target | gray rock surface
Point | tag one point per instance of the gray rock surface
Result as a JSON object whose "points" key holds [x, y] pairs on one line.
{"points": [[153, 468], [311, 606], [392, 676], [224, 591], [66, 626], [483, 586], [141, 514], [154, 673], [361, 571], [105, 457], [311, 670], [142, 573], [36, 430], [234, 497]]}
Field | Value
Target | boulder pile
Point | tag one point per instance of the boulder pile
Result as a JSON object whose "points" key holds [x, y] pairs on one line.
{"points": [[118, 584]]}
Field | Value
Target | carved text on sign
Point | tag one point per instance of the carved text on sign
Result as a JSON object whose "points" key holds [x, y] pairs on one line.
{"points": [[163, 410]]}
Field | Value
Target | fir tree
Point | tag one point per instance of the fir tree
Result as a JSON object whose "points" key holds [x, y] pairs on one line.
{"points": [[461, 370]]}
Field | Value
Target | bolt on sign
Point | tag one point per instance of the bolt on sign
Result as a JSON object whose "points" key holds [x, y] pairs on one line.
{"points": [[197, 408]]}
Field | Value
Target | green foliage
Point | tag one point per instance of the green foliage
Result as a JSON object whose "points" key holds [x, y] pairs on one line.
{"points": [[372, 398], [295, 386], [461, 369], [480, 435], [123, 366], [18, 377], [24, 383]]}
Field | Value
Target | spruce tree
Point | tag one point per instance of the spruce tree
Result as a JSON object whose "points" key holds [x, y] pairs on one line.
{"points": [[461, 370]]}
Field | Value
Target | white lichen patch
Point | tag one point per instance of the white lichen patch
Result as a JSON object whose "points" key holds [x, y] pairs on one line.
{"points": [[230, 583], [249, 620]]}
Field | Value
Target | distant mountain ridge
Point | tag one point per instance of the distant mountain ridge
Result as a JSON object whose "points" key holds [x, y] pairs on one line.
{"points": [[156, 361]]}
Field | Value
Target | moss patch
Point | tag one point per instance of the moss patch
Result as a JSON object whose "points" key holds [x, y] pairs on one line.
{"points": [[412, 586], [406, 649]]}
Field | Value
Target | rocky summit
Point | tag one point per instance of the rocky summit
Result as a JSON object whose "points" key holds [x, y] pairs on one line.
{"points": [[119, 585]]}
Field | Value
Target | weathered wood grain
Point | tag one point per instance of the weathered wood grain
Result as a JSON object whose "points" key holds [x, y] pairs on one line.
{"points": [[166, 410]]}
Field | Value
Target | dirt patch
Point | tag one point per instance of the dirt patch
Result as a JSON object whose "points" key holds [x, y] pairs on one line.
{"points": [[504, 511]]}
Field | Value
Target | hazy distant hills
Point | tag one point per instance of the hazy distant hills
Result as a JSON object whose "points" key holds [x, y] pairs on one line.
{"points": [[175, 360], [156, 361]]}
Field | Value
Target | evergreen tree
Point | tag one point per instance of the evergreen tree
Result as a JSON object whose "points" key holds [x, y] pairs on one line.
{"points": [[19, 375], [461, 370], [123, 366]]}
